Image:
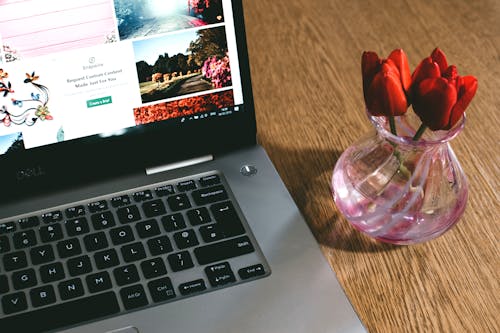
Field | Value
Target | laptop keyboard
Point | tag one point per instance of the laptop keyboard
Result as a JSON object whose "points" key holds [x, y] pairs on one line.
{"points": [[123, 252]]}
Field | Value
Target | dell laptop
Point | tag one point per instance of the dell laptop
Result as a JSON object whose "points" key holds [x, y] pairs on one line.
{"points": [[133, 195]]}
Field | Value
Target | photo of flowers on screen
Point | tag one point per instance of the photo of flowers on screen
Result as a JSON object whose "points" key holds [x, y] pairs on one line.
{"points": [[142, 18], [184, 108], [182, 63]]}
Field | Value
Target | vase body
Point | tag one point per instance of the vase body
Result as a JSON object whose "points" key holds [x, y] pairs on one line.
{"points": [[397, 190]]}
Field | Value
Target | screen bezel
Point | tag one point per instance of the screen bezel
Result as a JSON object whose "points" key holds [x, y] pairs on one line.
{"points": [[53, 167]]}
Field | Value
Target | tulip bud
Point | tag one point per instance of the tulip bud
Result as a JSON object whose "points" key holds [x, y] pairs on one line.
{"points": [[386, 83], [439, 95]]}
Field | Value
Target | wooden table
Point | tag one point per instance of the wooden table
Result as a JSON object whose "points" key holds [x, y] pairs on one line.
{"points": [[305, 58]]}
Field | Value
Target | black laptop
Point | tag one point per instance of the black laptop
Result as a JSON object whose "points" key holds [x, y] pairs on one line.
{"points": [[133, 195]]}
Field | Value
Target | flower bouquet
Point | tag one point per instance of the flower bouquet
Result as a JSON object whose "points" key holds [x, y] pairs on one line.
{"points": [[403, 184]]}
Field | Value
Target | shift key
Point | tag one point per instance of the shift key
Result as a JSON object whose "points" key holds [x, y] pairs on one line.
{"points": [[223, 250]]}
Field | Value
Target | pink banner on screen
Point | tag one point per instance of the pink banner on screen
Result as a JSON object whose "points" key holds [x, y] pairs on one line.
{"points": [[39, 27]]}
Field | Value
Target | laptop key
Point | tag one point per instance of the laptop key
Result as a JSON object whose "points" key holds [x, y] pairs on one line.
{"points": [[148, 228], [198, 216], [121, 235], [120, 201], [153, 268], [57, 316], [76, 211], [161, 289], [126, 275], [209, 195], [4, 284], [69, 248], [154, 208], [7, 227], [94, 242], [134, 297], [133, 252], [173, 222], [159, 245], [51, 233], [106, 259], [24, 239], [52, 217], [231, 248], [211, 233], [98, 282], [178, 202], [98, 206], [79, 266], [103, 220], [192, 287], [77, 227], [251, 271], [128, 214], [13, 303], [15, 260], [164, 190], [220, 274], [185, 239], [42, 254], [42, 296], [180, 261], [28, 222], [186, 185], [209, 180], [52, 272], [227, 218], [71, 289], [24, 279], [142, 196], [4, 244]]}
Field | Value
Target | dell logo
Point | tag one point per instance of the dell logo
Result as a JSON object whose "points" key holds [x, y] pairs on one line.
{"points": [[29, 173]]}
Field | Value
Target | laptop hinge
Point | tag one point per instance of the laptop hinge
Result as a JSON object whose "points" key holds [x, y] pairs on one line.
{"points": [[177, 165]]}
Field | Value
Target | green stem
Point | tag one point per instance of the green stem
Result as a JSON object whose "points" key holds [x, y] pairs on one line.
{"points": [[392, 124], [419, 133]]}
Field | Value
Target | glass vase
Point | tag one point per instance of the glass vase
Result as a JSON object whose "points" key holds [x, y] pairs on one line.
{"points": [[397, 190]]}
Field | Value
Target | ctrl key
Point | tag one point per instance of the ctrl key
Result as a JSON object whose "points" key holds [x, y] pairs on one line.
{"points": [[134, 297]]}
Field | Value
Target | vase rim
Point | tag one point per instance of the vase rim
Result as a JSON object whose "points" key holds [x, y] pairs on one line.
{"points": [[444, 137]]}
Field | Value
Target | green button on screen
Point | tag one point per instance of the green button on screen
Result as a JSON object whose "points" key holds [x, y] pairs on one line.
{"points": [[92, 103]]}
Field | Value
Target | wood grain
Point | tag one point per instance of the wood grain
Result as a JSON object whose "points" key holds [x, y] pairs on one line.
{"points": [[305, 60]]}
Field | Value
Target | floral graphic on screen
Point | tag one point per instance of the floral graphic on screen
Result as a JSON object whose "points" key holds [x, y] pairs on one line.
{"points": [[25, 111], [183, 107], [182, 64], [217, 71], [10, 54]]}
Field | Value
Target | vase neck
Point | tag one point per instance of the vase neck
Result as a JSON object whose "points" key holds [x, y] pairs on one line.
{"points": [[407, 125]]}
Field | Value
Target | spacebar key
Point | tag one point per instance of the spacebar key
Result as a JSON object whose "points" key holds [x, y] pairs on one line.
{"points": [[223, 250], [61, 315]]}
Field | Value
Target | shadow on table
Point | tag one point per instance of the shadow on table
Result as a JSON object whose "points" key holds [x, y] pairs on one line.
{"points": [[307, 175]]}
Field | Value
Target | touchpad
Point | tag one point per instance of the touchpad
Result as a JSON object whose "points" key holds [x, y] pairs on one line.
{"points": [[129, 329]]}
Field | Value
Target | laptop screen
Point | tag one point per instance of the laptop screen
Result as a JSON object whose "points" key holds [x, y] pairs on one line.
{"points": [[130, 76]]}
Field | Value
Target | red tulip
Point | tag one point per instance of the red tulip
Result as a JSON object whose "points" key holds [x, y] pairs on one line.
{"points": [[439, 95], [386, 83]]}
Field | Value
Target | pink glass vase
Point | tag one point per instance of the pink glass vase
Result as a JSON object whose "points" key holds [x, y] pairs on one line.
{"points": [[397, 190]]}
